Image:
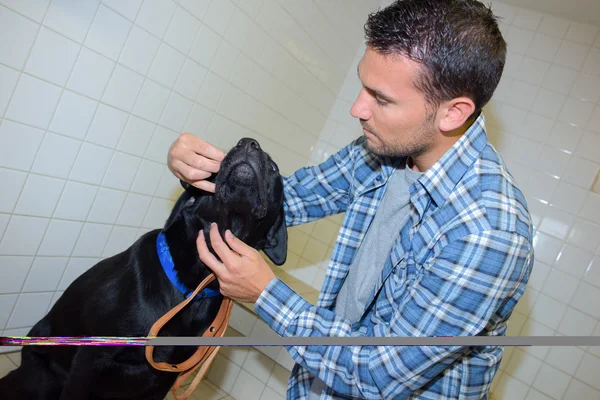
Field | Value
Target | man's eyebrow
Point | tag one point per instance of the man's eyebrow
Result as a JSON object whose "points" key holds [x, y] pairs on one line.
{"points": [[378, 93]]}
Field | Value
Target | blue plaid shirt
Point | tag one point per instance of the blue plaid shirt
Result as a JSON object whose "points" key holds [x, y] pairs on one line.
{"points": [[458, 267]]}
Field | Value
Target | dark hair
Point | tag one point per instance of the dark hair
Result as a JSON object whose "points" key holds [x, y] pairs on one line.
{"points": [[458, 43]]}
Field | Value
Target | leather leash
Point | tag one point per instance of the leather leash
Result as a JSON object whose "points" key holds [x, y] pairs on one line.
{"points": [[204, 356]]}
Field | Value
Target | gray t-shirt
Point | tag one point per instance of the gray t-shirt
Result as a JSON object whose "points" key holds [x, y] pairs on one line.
{"points": [[373, 252]]}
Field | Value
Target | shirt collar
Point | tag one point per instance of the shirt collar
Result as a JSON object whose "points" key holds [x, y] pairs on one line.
{"points": [[442, 177]]}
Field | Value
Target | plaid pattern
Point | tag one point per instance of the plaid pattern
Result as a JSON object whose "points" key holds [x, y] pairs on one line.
{"points": [[458, 267]]}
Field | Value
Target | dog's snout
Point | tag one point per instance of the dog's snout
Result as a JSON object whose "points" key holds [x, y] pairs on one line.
{"points": [[249, 144]]}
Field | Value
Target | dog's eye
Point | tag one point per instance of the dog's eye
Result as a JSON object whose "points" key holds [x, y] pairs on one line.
{"points": [[273, 167]]}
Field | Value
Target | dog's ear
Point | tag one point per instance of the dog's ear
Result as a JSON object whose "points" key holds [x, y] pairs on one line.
{"points": [[277, 241]]}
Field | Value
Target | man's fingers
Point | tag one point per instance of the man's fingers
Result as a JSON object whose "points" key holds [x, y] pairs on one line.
{"points": [[201, 147], [220, 247], [207, 257], [237, 245], [189, 173], [205, 185]]}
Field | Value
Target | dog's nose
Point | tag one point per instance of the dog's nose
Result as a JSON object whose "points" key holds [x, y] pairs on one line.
{"points": [[249, 144]]}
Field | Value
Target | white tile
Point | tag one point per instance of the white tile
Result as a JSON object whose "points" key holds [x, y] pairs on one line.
{"points": [[136, 136], [7, 303], [262, 330], [107, 126], [182, 30], [151, 101], [73, 115], [523, 366], [536, 395], [52, 57], [594, 123], [536, 127], [560, 286], [91, 74], [579, 390], [527, 19], [56, 156], [91, 240], [128, 9], [205, 46], [225, 60], [527, 301], [121, 171], [581, 172], [559, 79], [591, 208], [11, 182], [31, 203], [14, 269], [33, 102], [258, 365], [548, 311], [74, 269], [540, 185], [169, 186], [585, 300], [91, 164], [588, 371], [592, 62], [511, 388], [75, 23], [238, 29], [223, 373], [108, 33], [190, 79], [147, 177], [75, 201], [270, 394], [543, 47], [45, 274], [219, 15], [4, 218], [585, 234], [60, 238], [17, 35], [242, 320], [8, 82], [121, 238], [211, 91], [197, 7], [586, 88], [256, 43], [571, 55], [568, 197], [532, 70], [123, 88], [157, 214], [166, 65], [576, 112], [159, 144], [551, 381], [592, 274], [242, 71], [18, 145], [133, 211], [106, 206], [139, 50], [589, 146], [154, 16], [247, 387], [176, 112], [573, 260], [519, 39], [34, 9], [565, 137], [553, 161], [554, 26], [29, 309], [576, 323], [279, 379], [548, 103]]}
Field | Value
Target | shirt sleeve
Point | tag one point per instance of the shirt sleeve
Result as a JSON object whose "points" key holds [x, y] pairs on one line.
{"points": [[319, 191], [457, 293]]}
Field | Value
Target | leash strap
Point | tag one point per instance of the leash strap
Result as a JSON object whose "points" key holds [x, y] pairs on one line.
{"points": [[204, 355]]}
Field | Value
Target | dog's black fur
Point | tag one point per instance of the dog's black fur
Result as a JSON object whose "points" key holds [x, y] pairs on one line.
{"points": [[125, 294]]}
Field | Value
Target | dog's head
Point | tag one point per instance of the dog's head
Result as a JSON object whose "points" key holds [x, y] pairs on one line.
{"points": [[248, 200]]}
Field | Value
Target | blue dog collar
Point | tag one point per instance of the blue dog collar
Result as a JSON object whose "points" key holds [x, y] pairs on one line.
{"points": [[164, 254]]}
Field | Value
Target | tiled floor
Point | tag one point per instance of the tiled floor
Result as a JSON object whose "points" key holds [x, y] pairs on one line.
{"points": [[247, 374]]}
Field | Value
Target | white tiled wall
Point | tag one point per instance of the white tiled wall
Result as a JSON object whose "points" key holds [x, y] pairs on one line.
{"points": [[545, 120], [92, 94]]}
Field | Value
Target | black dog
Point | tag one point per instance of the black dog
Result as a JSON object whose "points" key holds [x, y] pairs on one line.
{"points": [[125, 294]]}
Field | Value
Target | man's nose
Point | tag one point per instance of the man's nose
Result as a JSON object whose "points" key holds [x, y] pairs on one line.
{"points": [[360, 109]]}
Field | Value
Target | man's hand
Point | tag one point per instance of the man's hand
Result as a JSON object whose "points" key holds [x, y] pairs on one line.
{"points": [[243, 274], [192, 160]]}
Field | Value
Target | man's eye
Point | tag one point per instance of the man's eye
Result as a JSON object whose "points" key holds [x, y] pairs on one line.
{"points": [[380, 102]]}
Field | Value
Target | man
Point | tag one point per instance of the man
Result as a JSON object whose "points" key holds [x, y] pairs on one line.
{"points": [[436, 240]]}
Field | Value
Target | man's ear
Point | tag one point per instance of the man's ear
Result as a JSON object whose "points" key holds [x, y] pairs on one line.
{"points": [[277, 241]]}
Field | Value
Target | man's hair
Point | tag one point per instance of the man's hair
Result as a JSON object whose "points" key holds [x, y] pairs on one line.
{"points": [[458, 43]]}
